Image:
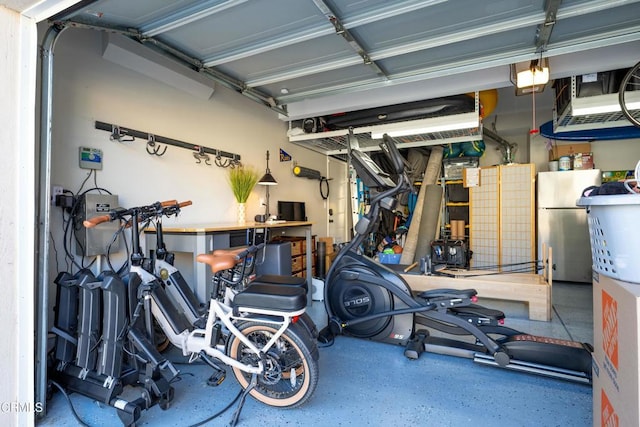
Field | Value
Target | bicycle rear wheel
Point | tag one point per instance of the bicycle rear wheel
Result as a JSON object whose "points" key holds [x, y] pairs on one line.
{"points": [[629, 95], [291, 372]]}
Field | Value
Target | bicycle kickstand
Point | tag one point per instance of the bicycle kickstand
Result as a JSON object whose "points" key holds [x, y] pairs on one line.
{"points": [[236, 414]]}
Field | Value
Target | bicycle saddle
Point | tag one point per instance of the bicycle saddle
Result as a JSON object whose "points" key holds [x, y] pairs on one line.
{"points": [[217, 263]]}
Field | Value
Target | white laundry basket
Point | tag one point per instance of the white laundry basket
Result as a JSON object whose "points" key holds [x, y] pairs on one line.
{"points": [[614, 231]]}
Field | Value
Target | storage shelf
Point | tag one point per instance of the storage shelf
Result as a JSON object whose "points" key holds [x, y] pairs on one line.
{"points": [[566, 121], [336, 143]]}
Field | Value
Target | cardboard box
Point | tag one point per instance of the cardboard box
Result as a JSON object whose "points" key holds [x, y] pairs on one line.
{"points": [[616, 336], [583, 161], [560, 150]]}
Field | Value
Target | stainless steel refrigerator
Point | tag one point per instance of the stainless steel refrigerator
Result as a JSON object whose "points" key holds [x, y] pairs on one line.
{"points": [[562, 225]]}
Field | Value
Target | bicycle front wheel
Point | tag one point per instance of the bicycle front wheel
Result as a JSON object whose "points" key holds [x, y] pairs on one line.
{"points": [[291, 372], [629, 95]]}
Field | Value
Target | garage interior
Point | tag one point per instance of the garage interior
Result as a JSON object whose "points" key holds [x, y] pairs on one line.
{"points": [[275, 85]]}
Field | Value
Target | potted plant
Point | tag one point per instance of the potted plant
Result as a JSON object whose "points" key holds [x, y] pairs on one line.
{"points": [[242, 180]]}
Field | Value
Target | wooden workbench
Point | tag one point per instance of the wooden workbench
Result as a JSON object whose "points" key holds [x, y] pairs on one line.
{"points": [[204, 238]]}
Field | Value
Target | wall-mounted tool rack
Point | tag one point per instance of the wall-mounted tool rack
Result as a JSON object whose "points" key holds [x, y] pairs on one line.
{"points": [[201, 153]]}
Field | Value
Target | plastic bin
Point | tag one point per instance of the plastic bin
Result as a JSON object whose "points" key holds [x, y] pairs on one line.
{"points": [[389, 258], [615, 235]]}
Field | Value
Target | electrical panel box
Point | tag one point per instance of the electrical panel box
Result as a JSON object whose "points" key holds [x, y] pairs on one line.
{"points": [[90, 158], [96, 240]]}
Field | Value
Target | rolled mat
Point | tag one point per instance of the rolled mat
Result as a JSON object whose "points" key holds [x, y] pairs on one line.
{"points": [[430, 177]]}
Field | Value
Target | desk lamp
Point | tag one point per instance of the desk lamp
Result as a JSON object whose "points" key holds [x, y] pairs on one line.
{"points": [[267, 180]]}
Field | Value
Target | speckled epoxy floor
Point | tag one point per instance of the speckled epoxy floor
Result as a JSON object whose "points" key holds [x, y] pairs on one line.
{"points": [[365, 383]]}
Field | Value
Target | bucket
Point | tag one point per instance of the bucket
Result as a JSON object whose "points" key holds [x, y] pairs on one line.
{"points": [[389, 258], [564, 163]]}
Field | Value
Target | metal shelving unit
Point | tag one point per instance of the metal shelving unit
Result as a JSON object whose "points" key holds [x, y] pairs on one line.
{"points": [[335, 143], [567, 121]]}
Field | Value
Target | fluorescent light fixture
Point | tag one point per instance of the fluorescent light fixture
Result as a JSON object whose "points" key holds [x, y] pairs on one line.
{"points": [[137, 57], [603, 104], [432, 125], [534, 76]]}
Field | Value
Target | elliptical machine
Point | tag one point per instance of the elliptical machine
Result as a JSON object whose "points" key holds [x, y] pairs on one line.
{"points": [[366, 299]]}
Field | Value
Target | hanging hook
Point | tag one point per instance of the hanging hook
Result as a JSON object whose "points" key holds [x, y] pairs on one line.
{"points": [[236, 160], [201, 155], [222, 163], [115, 133], [152, 148], [232, 163], [120, 135]]}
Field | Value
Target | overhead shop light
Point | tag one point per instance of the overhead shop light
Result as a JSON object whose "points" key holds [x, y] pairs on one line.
{"points": [[530, 77], [535, 75], [426, 126], [137, 57]]}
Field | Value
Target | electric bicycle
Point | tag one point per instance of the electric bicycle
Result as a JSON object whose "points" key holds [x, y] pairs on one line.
{"points": [[225, 285], [257, 335], [366, 299]]}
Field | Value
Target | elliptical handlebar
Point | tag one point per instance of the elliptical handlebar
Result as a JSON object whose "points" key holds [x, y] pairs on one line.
{"points": [[390, 148], [403, 184]]}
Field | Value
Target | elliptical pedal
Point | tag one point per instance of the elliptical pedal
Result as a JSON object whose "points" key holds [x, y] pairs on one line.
{"points": [[415, 346]]}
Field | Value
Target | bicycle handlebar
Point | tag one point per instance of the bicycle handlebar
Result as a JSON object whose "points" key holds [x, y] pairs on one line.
{"points": [[159, 208], [167, 203], [89, 223], [250, 250]]}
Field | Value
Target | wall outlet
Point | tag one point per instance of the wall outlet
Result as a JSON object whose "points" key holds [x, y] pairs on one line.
{"points": [[56, 190]]}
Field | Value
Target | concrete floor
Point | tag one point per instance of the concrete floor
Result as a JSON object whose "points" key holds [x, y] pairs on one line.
{"points": [[364, 383]]}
